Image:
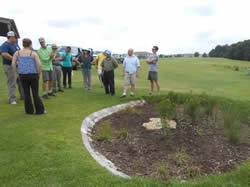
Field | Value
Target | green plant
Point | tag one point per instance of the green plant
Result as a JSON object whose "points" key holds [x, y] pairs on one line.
{"points": [[193, 171], [192, 107], [232, 125], [162, 170], [130, 110], [209, 103], [180, 157], [165, 126], [104, 132], [123, 134], [167, 109]]}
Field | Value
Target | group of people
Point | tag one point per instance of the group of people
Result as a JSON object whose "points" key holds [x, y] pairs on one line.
{"points": [[23, 67]]}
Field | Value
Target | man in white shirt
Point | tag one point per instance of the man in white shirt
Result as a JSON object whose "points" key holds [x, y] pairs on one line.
{"points": [[131, 69]]}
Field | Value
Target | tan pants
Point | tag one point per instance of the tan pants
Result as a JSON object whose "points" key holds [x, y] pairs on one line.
{"points": [[12, 80]]}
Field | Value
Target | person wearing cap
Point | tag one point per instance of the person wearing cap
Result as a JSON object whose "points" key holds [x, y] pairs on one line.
{"points": [[131, 69], [98, 62], [153, 70], [85, 60], [7, 50], [46, 55], [29, 69], [57, 70], [108, 65]]}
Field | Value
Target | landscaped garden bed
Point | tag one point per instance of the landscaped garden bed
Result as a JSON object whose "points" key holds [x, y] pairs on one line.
{"points": [[210, 137]]}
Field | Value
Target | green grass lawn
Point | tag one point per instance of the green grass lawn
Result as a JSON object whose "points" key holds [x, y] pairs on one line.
{"points": [[47, 150]]}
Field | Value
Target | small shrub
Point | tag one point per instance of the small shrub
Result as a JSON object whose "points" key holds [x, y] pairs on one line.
{"points": [[232, 125], [209, 103], [130, 110], [104, 133], [162, 170], [193, 171], [167, 107], [181, 157], [165, 126], [123, 134], [193, 107]]}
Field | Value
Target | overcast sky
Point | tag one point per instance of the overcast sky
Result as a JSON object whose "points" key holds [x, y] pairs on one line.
{"points": [[179, 26]]}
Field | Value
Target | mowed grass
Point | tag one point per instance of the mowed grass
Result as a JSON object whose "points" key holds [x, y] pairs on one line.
{"points": [[47, 150]]}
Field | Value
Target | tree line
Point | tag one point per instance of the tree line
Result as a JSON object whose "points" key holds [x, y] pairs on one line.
{"points": [[236, 51]]}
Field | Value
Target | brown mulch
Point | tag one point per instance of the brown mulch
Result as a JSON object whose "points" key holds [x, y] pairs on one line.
{"points": [[187, 151]]}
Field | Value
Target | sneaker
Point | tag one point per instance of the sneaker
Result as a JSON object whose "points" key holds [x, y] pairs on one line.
{"points": [[123, 96], [132, 95], [113, 94], [60, 90], [51, 94], [46, 96], [13, 103], [70, 87]]}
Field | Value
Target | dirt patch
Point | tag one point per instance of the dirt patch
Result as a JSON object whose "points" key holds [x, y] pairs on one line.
{"points": [[186, 152]]}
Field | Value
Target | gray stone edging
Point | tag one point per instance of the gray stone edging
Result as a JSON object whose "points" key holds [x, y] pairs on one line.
{"points": [[86, 129]]}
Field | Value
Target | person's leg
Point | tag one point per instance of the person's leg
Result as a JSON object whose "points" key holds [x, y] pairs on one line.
{"points": [[100, 76], [158, 86], [152, 87], [35, 92], [27, 98], [126, 85], [58, 75], [132, 90], [11, 83], [89, 80], [105, 82], [54, 78], [112, 82], [133, 83], [64, 76], [85, 83], [20, 88], [69, 77]]}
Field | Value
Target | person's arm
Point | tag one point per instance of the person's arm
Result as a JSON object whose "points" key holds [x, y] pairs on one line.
{"points": [[138, 68], [96, 62], [7, 56], [38, 63], [93, 60], [5, 52], [124, 67], [153, 61], [14, 61], [71, 59], [115, 64]]}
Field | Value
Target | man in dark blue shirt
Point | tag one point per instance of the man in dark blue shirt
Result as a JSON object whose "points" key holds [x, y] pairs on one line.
{"points": [[7, 50]]}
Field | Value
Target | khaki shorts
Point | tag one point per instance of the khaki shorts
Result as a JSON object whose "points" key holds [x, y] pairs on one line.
{"points": [[47, 75], [130, 79], [152, 76]]}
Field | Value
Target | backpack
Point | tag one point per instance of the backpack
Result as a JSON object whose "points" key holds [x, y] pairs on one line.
{"points": [[26, 64]]}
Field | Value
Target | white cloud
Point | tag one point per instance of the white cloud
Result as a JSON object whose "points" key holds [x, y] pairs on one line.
{"points": [[175, 26]]}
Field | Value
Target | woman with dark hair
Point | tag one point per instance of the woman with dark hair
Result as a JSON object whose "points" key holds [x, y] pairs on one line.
{"points": [[67, 66], [27, 64], [85, 60]]}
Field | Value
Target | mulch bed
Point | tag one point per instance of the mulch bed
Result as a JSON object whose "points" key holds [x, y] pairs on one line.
{"points": [[187, 151]]}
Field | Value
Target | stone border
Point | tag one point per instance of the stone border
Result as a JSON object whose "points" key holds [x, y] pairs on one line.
{"points": [[86, 130]]}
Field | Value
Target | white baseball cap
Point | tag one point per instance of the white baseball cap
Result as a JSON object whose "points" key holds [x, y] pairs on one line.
{"points": [[41, 40], [11, 34]]}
